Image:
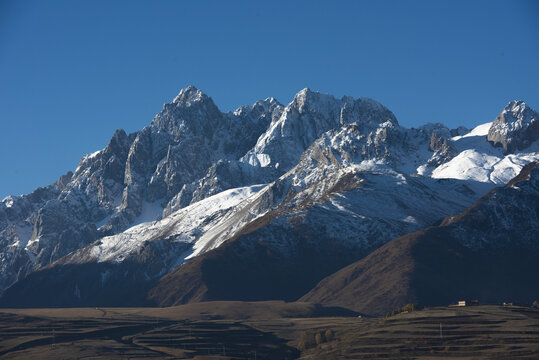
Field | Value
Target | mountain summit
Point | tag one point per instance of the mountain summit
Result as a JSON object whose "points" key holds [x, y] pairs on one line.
{"points": [[516, 128]]}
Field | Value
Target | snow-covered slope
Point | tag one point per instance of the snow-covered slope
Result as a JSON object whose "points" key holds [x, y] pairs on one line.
{"points": [[185, 225], [479, 161]]}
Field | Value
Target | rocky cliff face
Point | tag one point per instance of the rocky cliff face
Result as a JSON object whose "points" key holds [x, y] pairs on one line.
{"points": [[342, 170]]}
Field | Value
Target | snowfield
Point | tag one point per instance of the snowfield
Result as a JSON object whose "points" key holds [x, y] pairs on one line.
{"points": [[479, 161], [185, 225]]}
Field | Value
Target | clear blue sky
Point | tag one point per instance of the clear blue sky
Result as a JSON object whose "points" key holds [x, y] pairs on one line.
{"points": [[71, 72]]}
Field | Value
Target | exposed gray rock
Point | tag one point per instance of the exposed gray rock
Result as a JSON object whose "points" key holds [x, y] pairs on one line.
{"points": [[461, 130], [305, 119], [515, 128], [443, 149]]}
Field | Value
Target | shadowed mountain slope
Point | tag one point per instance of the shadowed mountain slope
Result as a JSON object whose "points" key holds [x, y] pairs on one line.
{"points": [[488, 252]]}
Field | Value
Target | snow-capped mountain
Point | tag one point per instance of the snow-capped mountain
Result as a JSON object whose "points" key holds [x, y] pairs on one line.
{"points": [[324, 170]]}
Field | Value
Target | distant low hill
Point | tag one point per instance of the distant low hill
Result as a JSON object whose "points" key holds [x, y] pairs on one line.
{"points": [[489, 252]]}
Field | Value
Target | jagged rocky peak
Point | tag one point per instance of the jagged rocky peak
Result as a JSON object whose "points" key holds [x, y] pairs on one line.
{"points": [[461, 130], [111, 159], [439, 129], [305, 119], [442, 146], [202, 136], [190, 109], [515, 128], [189, 95], [347, 109], [262, 112], [259, 108], [64, 180], [307, 100], [118, 143], [439, 140]]}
